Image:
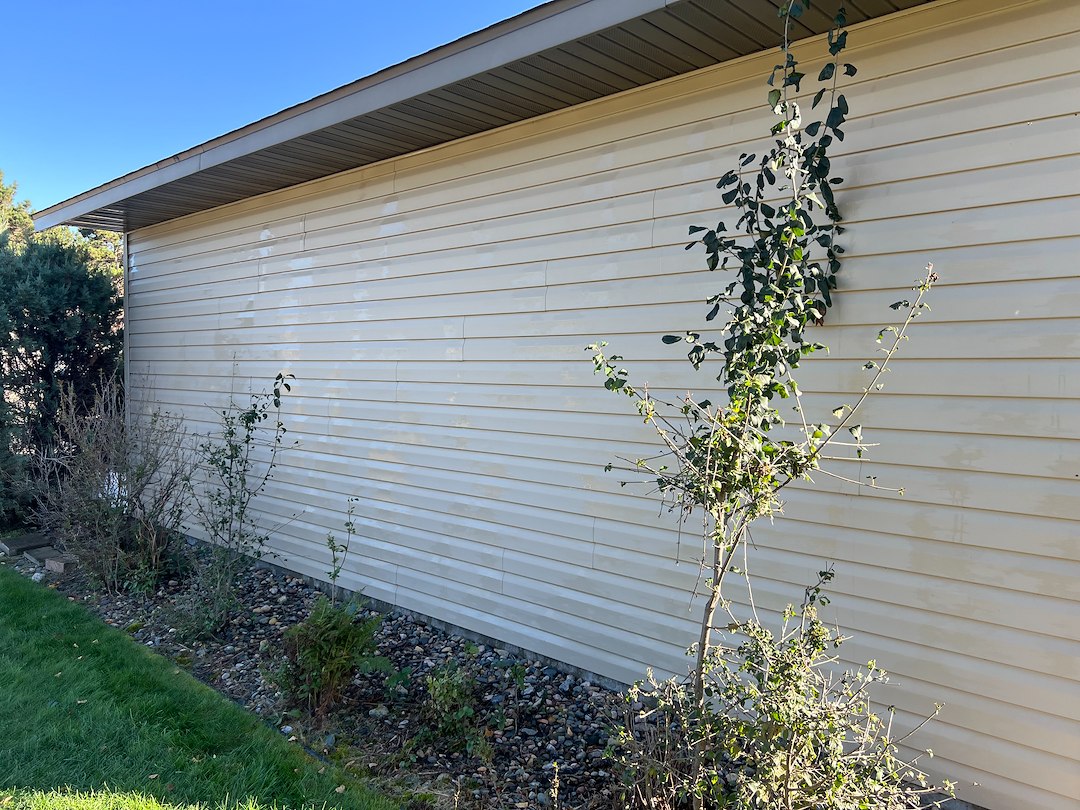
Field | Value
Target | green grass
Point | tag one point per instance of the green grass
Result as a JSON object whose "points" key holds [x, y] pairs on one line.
{"points": [[107, 800], [89, 720]]}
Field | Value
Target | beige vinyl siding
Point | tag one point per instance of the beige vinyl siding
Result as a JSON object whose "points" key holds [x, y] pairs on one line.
{"points": [[435, 308]]}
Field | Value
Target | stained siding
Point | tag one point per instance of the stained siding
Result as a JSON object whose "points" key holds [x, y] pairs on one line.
{"points": [[434, 310]]}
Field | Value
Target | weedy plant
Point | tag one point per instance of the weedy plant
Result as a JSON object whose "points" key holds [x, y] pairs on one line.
{"points": [[450, 707], [327, 649], [515, 677], [784, 728], [114, 490], [398, 682], [237, 463], [754, 725], [339, 551]]}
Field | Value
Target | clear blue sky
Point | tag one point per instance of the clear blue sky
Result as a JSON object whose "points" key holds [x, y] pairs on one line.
{"points": [[95, 90]]}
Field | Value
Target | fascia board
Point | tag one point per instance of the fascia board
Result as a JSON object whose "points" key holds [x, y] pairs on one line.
{"points": [[470, 56]]}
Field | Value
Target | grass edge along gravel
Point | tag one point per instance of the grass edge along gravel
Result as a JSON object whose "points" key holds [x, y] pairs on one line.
{"points": [[91, 720], [108, 800]]}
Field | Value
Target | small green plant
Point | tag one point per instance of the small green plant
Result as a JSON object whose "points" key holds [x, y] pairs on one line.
{"points": [[325, 651], [398, 680], [334, 642], [450, 707], [339, 551], [237, 464], [515, 673]]}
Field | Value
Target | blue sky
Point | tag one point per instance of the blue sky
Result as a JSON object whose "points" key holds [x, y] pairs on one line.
{"points": [[94, 91]]}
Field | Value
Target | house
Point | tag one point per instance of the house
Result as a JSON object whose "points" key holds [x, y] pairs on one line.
{"points": [[430, 249]]}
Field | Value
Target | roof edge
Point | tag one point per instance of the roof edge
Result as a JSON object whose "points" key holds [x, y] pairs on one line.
{"points": [[546, 26]]}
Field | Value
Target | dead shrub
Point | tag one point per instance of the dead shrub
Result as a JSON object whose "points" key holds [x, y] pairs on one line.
{"points": [[113, 489]]}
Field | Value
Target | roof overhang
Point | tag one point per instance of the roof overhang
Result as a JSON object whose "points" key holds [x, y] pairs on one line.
{"points": [[562, 53]]}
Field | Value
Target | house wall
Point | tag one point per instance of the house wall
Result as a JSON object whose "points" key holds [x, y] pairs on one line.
{"points": [[434, 310]]}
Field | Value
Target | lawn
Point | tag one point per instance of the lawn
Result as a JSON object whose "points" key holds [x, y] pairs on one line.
{"points": [[85, 710]]}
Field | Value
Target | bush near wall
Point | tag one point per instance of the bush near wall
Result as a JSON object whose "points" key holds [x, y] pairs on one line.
{"points": [[60, 326]]}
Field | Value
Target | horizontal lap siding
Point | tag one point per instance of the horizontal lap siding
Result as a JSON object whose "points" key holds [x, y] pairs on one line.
{"points": [[434, 310]]}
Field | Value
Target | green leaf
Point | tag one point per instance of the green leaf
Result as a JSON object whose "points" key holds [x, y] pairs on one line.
{"points": [[827, 72], [849, 69], [774, 98], [669, 339], [838, 44]]}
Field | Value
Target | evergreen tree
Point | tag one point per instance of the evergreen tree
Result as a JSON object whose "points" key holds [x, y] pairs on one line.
{"points": [[16, 224], [59, 324]]}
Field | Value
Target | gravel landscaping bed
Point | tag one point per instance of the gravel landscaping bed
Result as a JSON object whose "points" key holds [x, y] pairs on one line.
{"points": [[529, 719]]}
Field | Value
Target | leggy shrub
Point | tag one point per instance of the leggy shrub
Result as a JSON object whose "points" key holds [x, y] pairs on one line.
{"points": [[781, 729], [236, 464], [113, 490], [757, 723]]}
